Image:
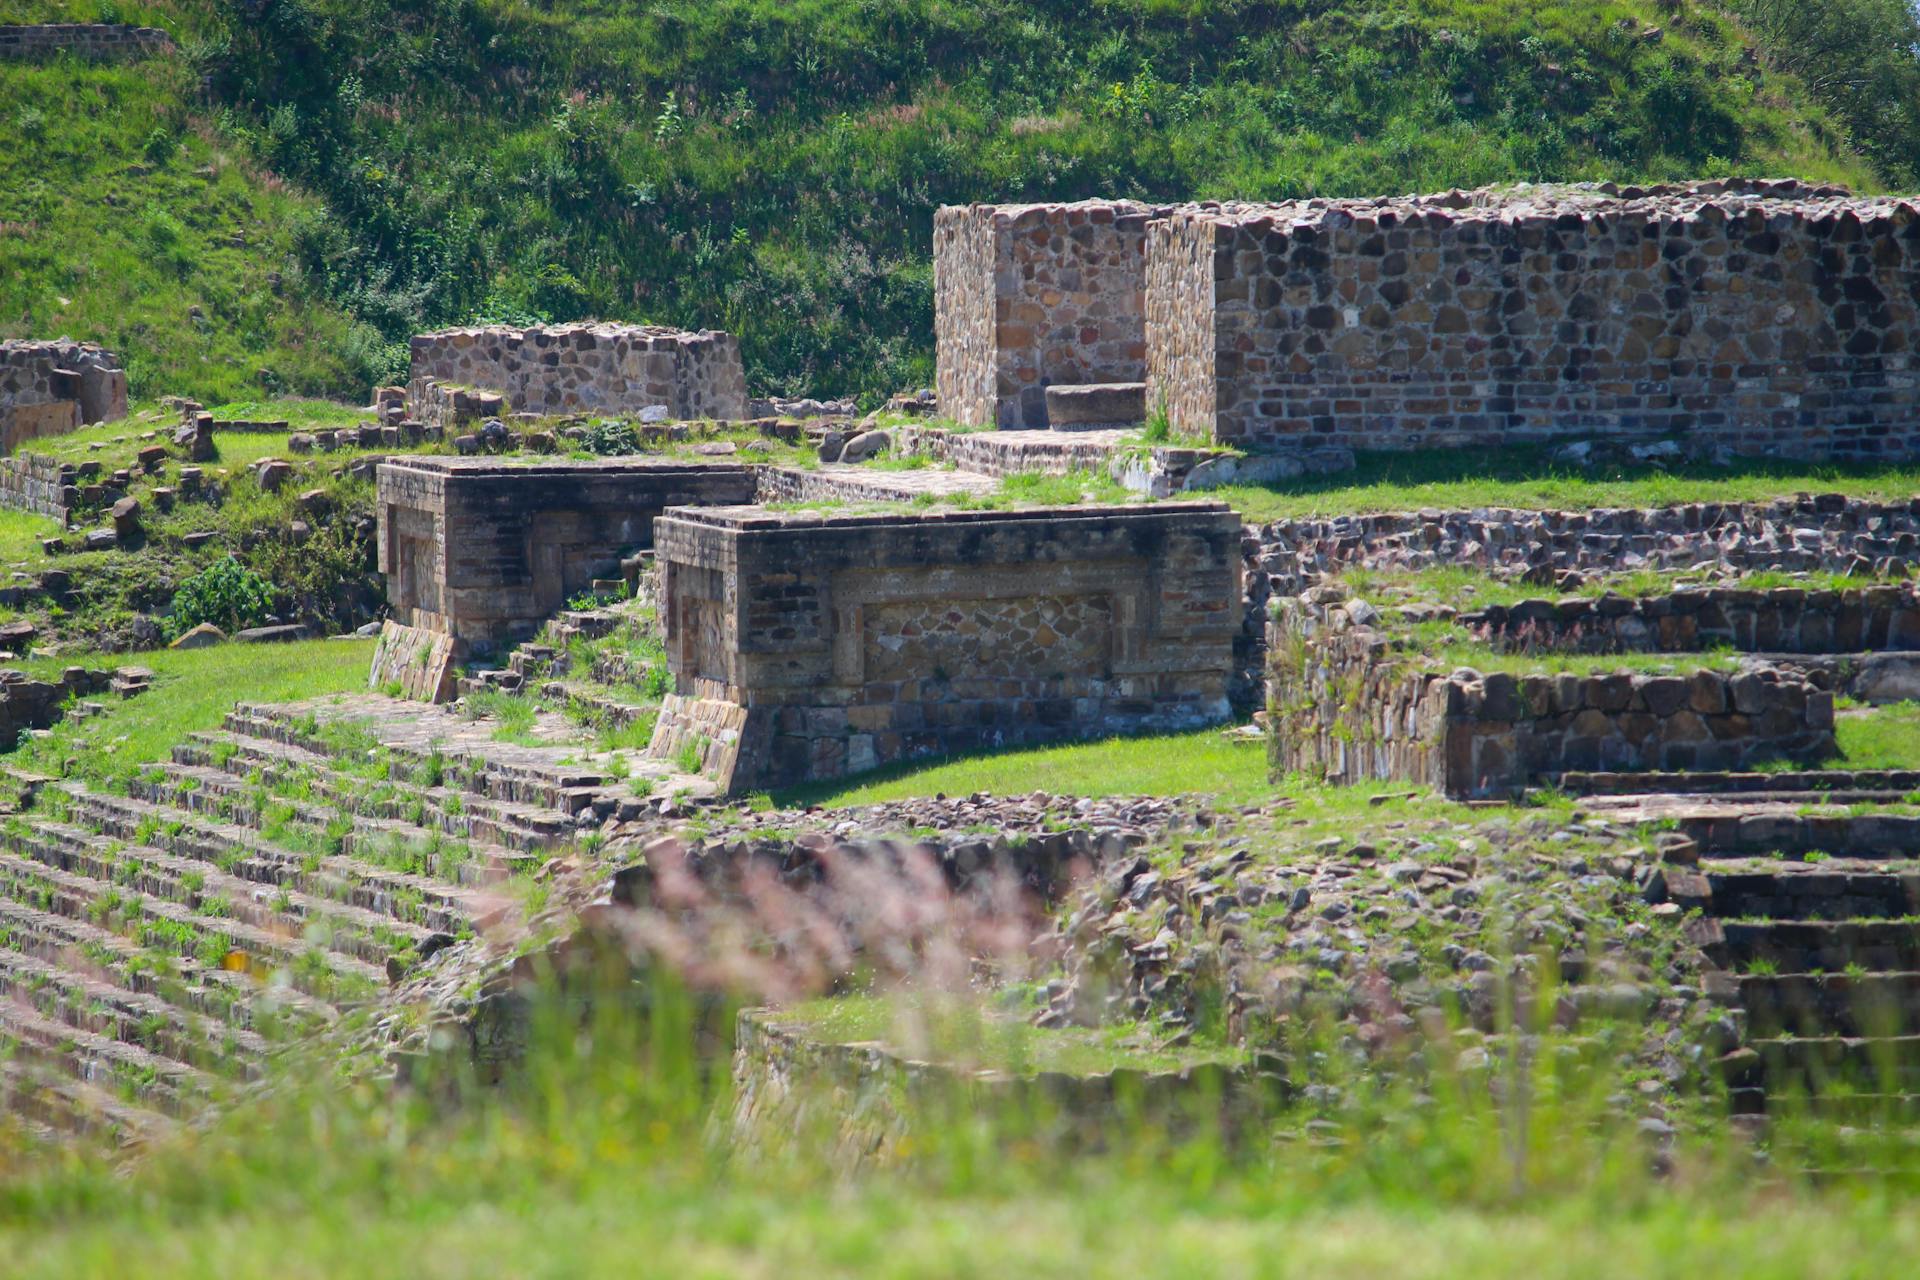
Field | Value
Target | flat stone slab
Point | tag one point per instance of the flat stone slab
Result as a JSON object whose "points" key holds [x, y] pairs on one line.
{"points": [[1096, 403]]}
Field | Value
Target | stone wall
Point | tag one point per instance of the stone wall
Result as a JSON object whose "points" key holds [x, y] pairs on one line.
{"points": [[83, 39], [1760, 318], [1035, 294], [38, 483], [1785, 620], [583, 368], [1352, 704], [49, 388], [1813, 532], [852, 640], [486, 550]]}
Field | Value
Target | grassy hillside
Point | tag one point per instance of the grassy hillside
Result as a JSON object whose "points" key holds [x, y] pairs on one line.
{"points": [[122, 219], [771, 166]]}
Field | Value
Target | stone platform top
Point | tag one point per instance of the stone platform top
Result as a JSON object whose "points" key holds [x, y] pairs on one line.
{"points": [[747, 518], [12, 349], [585, 468], [1551, 201], [582, 333]]}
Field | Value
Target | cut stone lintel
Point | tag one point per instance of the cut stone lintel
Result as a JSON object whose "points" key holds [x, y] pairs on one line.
{"points": [[485, 550], [807, 646]]}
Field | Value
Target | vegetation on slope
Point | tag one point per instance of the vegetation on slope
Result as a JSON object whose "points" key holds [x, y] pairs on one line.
{"points": [[122, 219], [771, 167]]}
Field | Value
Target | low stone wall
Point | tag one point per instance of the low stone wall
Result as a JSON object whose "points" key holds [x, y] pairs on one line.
{"points": [[37, 483], [1817, 532], [854, 640], [861, 1099], [27, 704], [1351, 704], [580, 368], [50, 388], [105, 40], [1788, 620], [486, 550]]}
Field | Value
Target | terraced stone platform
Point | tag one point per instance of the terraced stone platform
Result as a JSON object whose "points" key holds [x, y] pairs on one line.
{"points": [[156, 944]]}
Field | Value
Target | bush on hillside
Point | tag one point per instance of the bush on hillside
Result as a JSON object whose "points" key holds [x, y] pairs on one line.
{"points": [[225, 593]]}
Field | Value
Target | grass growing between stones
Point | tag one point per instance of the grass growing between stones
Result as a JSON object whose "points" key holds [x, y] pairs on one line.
{"points": [[192, 692], [1524, 477], [612, 1154]]}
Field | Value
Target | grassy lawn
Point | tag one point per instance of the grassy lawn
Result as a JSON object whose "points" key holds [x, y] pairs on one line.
{"points": [[1520, 476], [1171, 764], [192, 690]]}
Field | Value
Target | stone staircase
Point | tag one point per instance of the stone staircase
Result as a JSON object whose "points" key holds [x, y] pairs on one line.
{"points": [[158, 943], [1810, 927]]}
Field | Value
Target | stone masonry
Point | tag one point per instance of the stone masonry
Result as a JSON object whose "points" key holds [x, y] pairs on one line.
{"points": [[582, 368], [48, 388], [1761, 318], [1026, 296], [104, 40], [486, 550], [1350, 703], [808, 646]]}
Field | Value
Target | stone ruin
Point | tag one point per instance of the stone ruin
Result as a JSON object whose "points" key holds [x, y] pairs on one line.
{"points": [[486, 550], [462, 374], [1770, 318], [49, 388], [807, 646], [100, 40], [1033, 296]]}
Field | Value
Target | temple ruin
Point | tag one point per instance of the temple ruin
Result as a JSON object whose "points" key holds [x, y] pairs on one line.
{"points": [[50, 388]]}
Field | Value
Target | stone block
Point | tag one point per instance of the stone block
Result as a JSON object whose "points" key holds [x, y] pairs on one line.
{"points": [[1096, 404]]}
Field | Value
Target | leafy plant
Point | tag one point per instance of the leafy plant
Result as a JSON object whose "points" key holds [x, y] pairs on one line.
{"points": [[226, 593]]}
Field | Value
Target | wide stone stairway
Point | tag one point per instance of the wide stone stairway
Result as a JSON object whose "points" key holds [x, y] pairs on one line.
{"points": [[156, 944], [1809, 920]]}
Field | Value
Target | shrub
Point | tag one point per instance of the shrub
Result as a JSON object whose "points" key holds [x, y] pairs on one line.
{"points": [[225, 593]]}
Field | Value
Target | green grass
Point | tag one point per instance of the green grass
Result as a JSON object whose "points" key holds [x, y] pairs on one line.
{"points": [[1518, 476], [1183, 763], [1879, 737], [192, 691], [123, 219]]}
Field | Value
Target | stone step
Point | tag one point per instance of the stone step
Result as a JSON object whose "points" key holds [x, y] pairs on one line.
{"points": [[482, 768], [1858, 1004], [335, 975], [1802, 946], [1810, 892], [1846, 1106], [64, 1105], [108, 1064], [92, 1005], [480, 819], [235, 998], [1821, 1064], [1781, 830], [245, 853], [1709, 782], [195, 884]]}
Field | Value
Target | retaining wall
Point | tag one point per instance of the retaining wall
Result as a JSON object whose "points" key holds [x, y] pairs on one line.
{"points": [[1353, 704], [104, 40]]}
